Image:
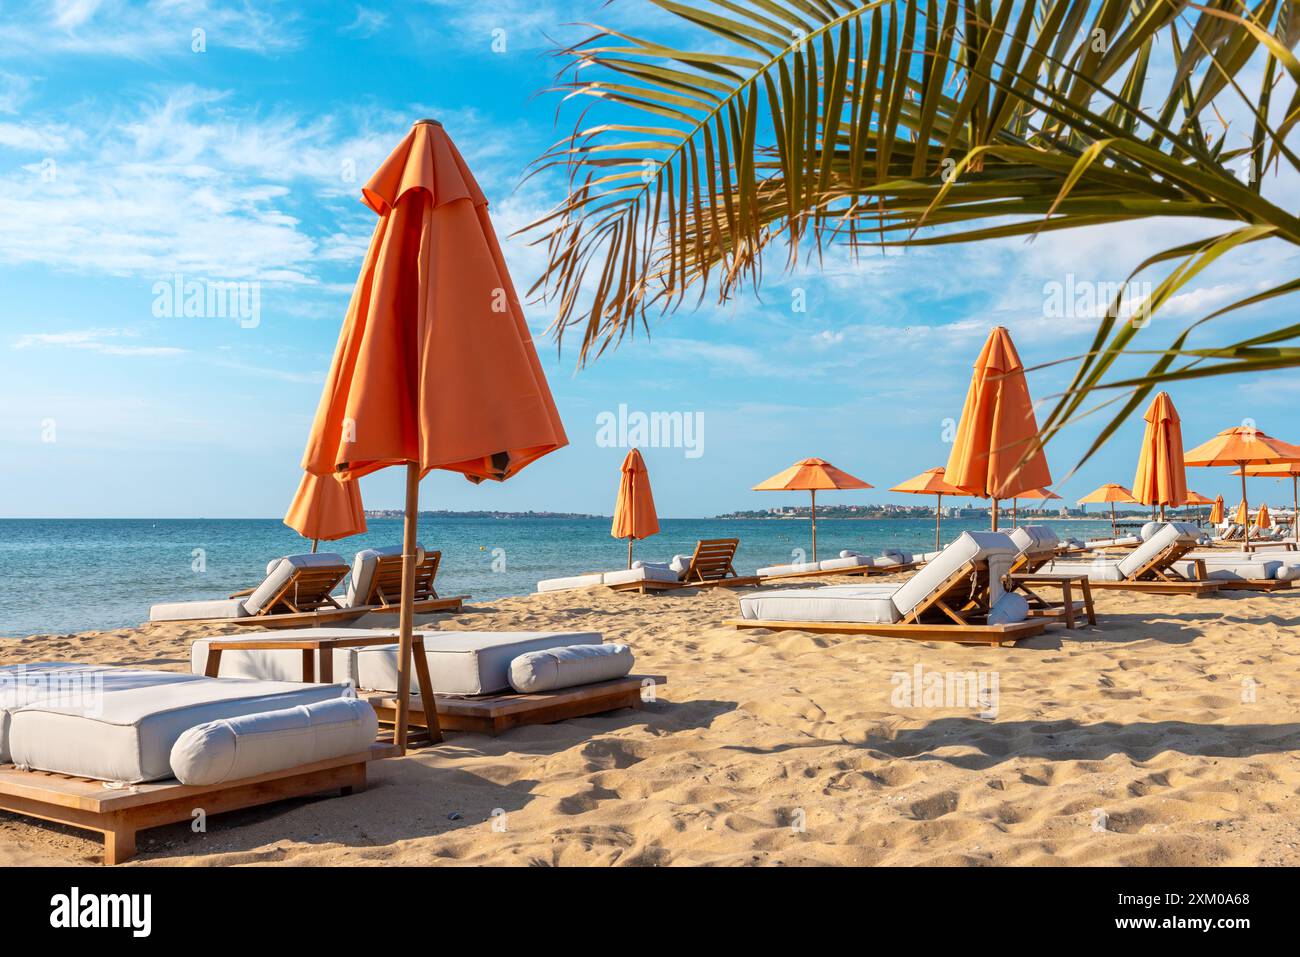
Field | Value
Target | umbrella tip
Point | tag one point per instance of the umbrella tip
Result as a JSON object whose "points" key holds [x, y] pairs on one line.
{"points": [[430, 122]]}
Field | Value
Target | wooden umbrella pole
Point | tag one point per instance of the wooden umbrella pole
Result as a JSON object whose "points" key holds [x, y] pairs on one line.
{"points": [[1242, 466], [1114, 529], [938, 512], [995, 515], [314, 543], [1295, 506], [406, 621], [629, 551], [814, 522]]}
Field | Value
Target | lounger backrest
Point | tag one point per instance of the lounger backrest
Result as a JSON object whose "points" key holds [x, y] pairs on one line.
{"points": [[318, 574], [712, 559], [1164, 537], [363, 571], [1034, 540], [386, 583], [970, 547]]}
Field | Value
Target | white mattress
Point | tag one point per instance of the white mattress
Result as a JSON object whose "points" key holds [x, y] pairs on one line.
{"points": [[193, 610], [1097, 570], [464, 662], [869, 604], [67, 683], [127, 735], [574, 581], [650, 573]]}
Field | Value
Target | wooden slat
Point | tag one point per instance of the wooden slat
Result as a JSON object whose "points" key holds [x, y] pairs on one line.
{"points": [[965, 634]]}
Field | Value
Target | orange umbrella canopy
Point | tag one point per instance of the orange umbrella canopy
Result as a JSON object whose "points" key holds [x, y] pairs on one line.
{"points": [[1161, 477], [1196, 498], [1110, 492], [1242, 446], [325, 508], [996, 452], [810, 475], [1036, 493], [634, 512], [1262, 519], [929, 482], [435, 364], [1216, 512]]}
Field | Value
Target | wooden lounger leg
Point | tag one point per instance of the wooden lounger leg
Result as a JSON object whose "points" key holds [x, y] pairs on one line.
{"points": [[119, 842], [213, 667], [426, 691]]}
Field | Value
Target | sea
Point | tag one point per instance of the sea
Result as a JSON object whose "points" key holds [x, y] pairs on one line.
{"points": [[70, 575]]}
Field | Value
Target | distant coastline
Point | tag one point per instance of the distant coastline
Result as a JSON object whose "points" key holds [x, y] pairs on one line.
{"points": [[450, 513]]}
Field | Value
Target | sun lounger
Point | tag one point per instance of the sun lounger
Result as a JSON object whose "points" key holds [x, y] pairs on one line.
{"points": [[1148, 568], [376, 582], [168, 744], [296, 591], [847, 563], [1254, 570], [1036, 545], [710, 565], [957, 596]]}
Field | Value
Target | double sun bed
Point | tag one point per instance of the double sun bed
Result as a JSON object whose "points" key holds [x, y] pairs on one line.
{"points": [[298, 590]]}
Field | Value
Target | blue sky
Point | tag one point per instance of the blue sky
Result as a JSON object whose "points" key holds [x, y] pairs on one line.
{"points": [[126, 158]]}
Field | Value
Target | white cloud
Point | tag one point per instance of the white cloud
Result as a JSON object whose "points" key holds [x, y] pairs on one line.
{"points": [[367, 23], [104, 341], [14, 91]]}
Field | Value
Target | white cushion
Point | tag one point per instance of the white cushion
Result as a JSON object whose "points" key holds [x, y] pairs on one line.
{"points": [[1233, 566], [792, 569], [853, 561], [646, 573], [573, 581], [280, 665], [282, 572], [1097, 569], [1034, 539], [231, 749], [1148, 529], [363, 570], [680, 563], [1161, 539], [464, 662], [128, 735], [1009, 609], [869, 604], [192, 610], [969, 546], [569, 666], [65, 682]]}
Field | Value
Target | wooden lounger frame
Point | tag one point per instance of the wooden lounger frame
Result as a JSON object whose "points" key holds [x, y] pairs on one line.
{"points": [[861, 571], [307, 597], [119, 813], [385, 593], [955, 610], [711, 567], [495, 714]]}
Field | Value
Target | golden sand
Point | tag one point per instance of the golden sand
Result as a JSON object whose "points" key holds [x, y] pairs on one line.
{"points": [[1166, 735]]}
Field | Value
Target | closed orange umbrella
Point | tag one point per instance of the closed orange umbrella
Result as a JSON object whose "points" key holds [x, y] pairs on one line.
{"points": [[1243, 514], [1262, 519], [811, 475], [325, 509], [634, 512], [1242, 446], [435, 367], [997, 452], [930, 482], [1216, 511], [1110, 492], [1290, 470], [1161, 477], [1037, 493]]}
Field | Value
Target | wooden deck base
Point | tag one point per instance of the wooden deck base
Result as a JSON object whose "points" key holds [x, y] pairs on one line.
{"points": [[962, 634], [120, 813], [1252, 584], [1195, 589], [494, 714], [429, 606]]}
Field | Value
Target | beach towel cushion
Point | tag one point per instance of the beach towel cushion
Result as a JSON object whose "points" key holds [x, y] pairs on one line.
{"points": [[282, 572], [646, 573], [569, 667], [465, 662], [66, 683], [994, 547], [231, 749], [128, 734], [189, 610], [866, 604], [573, 581], [281, 665]]}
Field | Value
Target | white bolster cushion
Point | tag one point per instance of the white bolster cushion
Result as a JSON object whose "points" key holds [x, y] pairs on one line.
{"points": [[680, 563], [569, 666], [1009, 609], [236, 748]]}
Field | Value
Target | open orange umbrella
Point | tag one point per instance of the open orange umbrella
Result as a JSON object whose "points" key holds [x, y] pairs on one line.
{"points": [[325, 509], [1262, 518], [634, 512], [1216, 511], [1196, 498], [1161, 477], [930, 482], [1110, 492], [1290, 470], [1036, 493], [811, 475], [997, 452], [1242, 446], [435, 367]]}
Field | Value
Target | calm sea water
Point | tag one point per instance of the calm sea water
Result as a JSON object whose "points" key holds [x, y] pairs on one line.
{"points": [[69, 575]]}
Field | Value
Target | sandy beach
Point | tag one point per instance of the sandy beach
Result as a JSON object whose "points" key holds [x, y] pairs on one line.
{"points": [[1135, 742]]}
